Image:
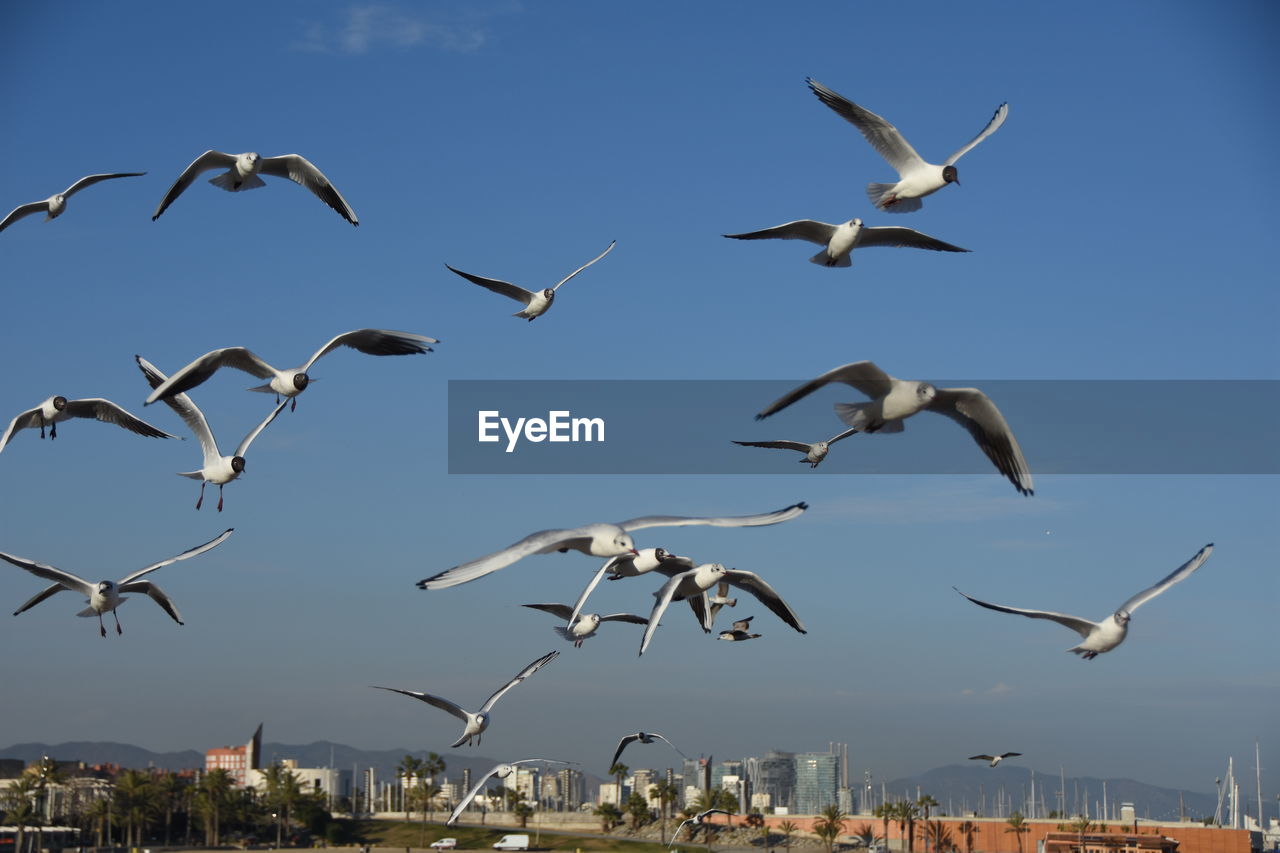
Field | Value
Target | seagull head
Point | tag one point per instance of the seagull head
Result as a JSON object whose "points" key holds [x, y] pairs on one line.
{"points": [[625, 545], [926, 392], [950, 176], [855, 223], [1122, 617], [59, 403], [725, 635], [105, 587], [549, 295], [250, 161], [237, 464], [300, 381]]}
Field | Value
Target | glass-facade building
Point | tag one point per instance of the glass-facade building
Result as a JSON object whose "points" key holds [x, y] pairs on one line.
{"points": [[817, 781]]}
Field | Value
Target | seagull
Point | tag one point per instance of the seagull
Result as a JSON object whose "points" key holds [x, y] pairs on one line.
{"points": [[894, 400], [54, 205], [242, 174], [216, 468], [813, 453], [917, 178], [479, 721], [578, 629], [719, 600], [56, 409], [840, 240], [288, 383], [697, 819], [536, 303], [1104, 636], [630, 566], [643, 737], [691, 583], [598, 540], [106, 595], [502, 771], [994, 759]]}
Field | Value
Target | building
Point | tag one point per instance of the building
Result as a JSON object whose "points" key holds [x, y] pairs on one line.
{"points": [[526, 782], [773, 777], [817, 781], [328, 781], [237, 761], [571, 789], [1107, 842], [642, 781]]}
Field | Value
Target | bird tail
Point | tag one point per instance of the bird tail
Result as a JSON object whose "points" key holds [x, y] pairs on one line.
{"points": [[822, 259], [194, 475], [858, 416], [266, 389], [228, 181], [563, 632], [881, 195]]}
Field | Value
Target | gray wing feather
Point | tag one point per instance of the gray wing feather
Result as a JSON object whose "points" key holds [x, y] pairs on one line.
{"points": [[524, 673], [534, 543], [40, 596], [1001, 113], [563, 611], [24, 210], [185, 555], [974, 411], [302, 171], [862, 375], [29, 418], [662, 600], [110, 413], [767, 595], [185, 409], [206, 161], [1081, 626], [157, 595], [50, 573], [438, 701], [809, 230], [1177, 575], [903, 238], [205, 366], [784, 514], [90, 180], [376, 342], [625, 617], [882, 135], [584, 266], [248, 439], [781, 444], [505, 288], [586, 592]]}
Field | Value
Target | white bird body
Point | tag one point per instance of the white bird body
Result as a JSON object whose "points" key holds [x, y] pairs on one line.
{"points": [[54, 410], [54, 205], [536, 302], [105, 596], [579, 627], [916, 178], [1103, 636], [840, 240], [994, 759], [476, 722]]}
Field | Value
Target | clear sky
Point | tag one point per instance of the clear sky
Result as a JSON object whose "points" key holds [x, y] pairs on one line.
{"points": [[1122, 223]]}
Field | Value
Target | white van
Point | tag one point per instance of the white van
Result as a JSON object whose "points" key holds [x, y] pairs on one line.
{"points": [[513, 842]]}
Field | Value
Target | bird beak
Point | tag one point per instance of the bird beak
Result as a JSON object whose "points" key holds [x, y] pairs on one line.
{"points": [[635, 553]]}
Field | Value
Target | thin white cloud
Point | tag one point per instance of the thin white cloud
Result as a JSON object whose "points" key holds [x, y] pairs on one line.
{"points": [[1000, 687], [366, 27]]}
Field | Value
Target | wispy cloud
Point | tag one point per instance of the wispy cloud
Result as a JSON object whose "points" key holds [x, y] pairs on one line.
{"points": [[373, 26], [998, 689]]}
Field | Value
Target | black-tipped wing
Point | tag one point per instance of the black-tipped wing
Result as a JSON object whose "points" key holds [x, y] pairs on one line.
{"points": [[1179, 574], [205, 366], [523, 674], [535, 543], [302, 171], [185, 555], [981, 757], [90, 180], [157, 595], [562, 611], [903, 238], [40, 596], [780, 444], [505, 288], [662, 599], [862, 375], [49, 573], [882, 135], [184, 408], [248, 439], [376, 342], [809, 230], [1083, 627], [24, 210], [584, 266], [438, 701], [29, 418], [206, 161], [974, 411], [625, 617], [110, 413], [784, 514], [1001, 113], [766, 595]]}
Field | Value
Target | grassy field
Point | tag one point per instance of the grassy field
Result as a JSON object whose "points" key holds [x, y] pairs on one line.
{"points": [[385, 833]]}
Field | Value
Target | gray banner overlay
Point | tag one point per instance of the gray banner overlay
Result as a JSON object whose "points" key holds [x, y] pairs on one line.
{"points": [[687, 427]]}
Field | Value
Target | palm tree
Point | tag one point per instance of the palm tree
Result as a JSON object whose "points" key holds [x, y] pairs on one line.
{"points": [[667, 792], [788, 828], [968, 829], [937, 833], [1080, 826], [432, 767], [169, 788], [867, 833], [619, 771], [44, 773], [828, 826], [408, 770], [213, 794], [925, 803], [20, 811], [885, 812], [637, 809], [609, 816], [136, 801], [1018, 826]]}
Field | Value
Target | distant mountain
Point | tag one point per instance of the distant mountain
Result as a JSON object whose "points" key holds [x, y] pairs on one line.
{"points": [[105, 752], [964, 786]]}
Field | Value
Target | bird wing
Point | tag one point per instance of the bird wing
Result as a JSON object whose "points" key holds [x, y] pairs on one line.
{"points": [[662, 598], [1179, 574], [439, 702], [981, 757], [248, 439], [897, 237], [561, 610], [206, 161], [90, 180], [1083, 627], [29, 418], [205, 366], [974, 411], [590, 587], [24, 210], [185, 409], [534, 543], [767, 595], [110, 413], [842, 435], [862, 375], [674, 565], [40, 596], [623, 744], [882, 135], [471, 795], [743, 624], [1002, 112], [701, 610], [584, 266], [375, 342], [49, 573], [625, 617], [784, 514], [521, 676], [809, 230], [1010, 754], [185, 555], [302, 171], [781, 444], [668, 743], [157, 595], [506, 288]]}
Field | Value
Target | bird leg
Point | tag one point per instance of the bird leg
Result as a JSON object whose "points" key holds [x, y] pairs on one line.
{"points": [[101, 628], [293, 406], [201, 499], [53, 429], [42, 425], [118, 629], [219, 498]]}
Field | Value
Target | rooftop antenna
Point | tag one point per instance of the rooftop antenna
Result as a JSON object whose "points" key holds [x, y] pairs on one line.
{"points": [[1257, 769]]}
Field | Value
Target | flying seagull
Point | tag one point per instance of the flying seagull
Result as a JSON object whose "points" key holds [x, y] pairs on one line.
{"points": [[598, 540], [216, 468], [536, 303], [106, 595], [894, 400], [630, 566], [839, 241], [242, 174], [54, 205], [643, 737], [288, 383], [55, 409], [476, 722], [691, 584], [813, 453], [718, 600], [994, 759], [580, 628], [697, 820], [502, 771], [917, 178], [1104, 636]]}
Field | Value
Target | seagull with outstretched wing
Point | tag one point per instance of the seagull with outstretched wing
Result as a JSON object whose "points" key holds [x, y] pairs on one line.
{"points": [[536, 302], [56, 204], [839, 241]]}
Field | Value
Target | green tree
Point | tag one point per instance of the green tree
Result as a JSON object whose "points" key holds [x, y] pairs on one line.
{"points": [[213, 797], [19, 807], [637, 809], [925, 803], [609, 816], [1080, 826], [135, 800], [788, 828], [432, 767], [408, 771], [828, 826], [283, 789], [1018, 826], [170, 790], [619, 771], [884, 811], [867, 833], [667, 792], [937, 835]]}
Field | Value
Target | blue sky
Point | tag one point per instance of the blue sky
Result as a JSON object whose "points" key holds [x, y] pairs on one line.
{"points": [[1121, 224]]}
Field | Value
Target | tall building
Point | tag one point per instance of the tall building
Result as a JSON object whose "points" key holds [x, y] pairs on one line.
{"points": [[641, 781], [817, 780], [237, 760], [697, 778], [572, 787], [774, 776], [723, 769], [526, 783]]}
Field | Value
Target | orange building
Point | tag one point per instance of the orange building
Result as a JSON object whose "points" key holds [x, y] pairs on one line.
{"points": [[236, 760]]}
